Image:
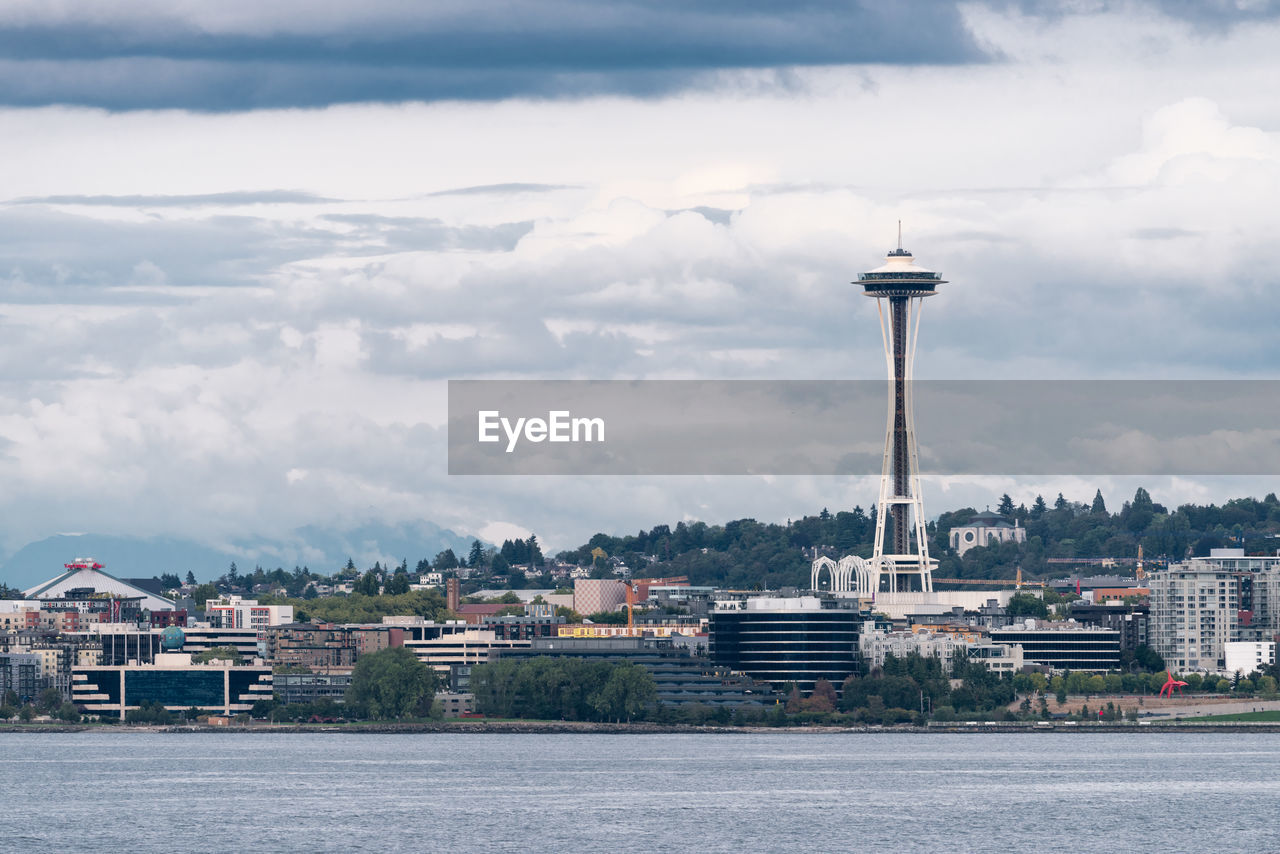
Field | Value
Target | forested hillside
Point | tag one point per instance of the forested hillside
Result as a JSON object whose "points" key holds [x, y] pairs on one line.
{"points": [[749, 554]]}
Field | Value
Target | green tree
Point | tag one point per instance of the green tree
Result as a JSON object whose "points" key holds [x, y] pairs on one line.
{"points": [[500, 566], [191, 577], [476, 557], [398, 584], [1147, 658], [390, 684], [628, 693], [1026, 605], [1039, 508], [220, 653], [203, 594], [68, 712], [445, 561], [50, 699], [1099, 506]]}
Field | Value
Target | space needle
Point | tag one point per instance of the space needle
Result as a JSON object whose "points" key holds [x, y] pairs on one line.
{"points": [[901, 553], [900, 561]]}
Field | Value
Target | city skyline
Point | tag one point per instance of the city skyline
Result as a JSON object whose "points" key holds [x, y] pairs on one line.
{"points": [[232, 300]]}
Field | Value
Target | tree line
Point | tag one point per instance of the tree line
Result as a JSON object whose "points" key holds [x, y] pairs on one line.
{"points": [[569, 689]]}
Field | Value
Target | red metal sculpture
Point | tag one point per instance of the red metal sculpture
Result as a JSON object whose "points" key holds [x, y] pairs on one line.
{"points": [[1172, 685]]}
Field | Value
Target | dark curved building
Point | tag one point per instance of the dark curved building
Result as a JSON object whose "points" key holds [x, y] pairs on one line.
{"points": [[786, 640]]}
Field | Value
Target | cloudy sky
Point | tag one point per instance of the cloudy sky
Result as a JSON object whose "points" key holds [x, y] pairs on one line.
{"points": [[244, 245]]}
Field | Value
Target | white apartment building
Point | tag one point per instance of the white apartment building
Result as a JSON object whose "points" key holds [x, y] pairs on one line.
{"points": [[874, 645], [1200, 606], [233, 612]]}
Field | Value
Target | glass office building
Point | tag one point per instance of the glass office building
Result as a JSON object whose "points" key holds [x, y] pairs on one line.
{"points": [[786, 640], [221, 690]]}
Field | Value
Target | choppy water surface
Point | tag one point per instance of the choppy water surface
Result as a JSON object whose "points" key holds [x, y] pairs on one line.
{"points": [[770, 792]]}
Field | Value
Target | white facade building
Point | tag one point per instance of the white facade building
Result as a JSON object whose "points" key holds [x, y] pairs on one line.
{"points": [[874, 645], [1244, 657], [1201, 605], [986, 529], [232, 612]]}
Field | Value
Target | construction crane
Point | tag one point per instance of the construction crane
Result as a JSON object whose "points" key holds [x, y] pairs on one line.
{"points": [[988, 582], [634, 588]]}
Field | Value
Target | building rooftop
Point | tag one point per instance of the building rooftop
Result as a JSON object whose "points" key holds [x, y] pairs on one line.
{"points": [[82, 574]]}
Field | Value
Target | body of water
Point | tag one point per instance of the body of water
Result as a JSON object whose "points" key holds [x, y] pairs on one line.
{"points": [[1036, 792]]}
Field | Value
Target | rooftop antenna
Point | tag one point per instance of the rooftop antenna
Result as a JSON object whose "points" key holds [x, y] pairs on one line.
{"points": [[899, 235]]}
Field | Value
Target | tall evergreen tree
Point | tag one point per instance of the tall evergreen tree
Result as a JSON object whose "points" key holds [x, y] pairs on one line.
{"points": [[1099, 506], [476, 557], [1039, 508]]}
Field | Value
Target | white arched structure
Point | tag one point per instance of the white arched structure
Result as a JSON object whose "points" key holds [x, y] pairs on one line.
{"points": [[852, 574]]}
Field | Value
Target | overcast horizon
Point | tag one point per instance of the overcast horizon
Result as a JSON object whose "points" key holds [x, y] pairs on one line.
{"points": [[244, 246]]}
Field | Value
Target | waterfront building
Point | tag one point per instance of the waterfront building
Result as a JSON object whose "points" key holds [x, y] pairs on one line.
{"points": [[1199, 606], [173, 682], [20, 673], [986, 529], [875, 644], [785, 640], [331, 684], [1063, 645], [452, 654], [455, 704], [680, 678]]}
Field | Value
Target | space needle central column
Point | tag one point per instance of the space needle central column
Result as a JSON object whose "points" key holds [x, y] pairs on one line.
{"points": [[903, 286]]}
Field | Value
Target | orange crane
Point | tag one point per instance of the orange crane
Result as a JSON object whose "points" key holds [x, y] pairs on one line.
{"points": [[988, 582], [634, 587]]}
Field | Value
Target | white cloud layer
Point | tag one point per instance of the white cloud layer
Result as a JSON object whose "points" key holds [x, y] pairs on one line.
{"points": [[222, 325]]}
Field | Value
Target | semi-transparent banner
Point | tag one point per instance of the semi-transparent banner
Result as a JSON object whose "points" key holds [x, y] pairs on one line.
{"points": [[785, 427]]}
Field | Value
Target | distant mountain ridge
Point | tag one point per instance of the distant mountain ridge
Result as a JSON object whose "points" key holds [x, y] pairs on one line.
{"points": [[321, 549]]}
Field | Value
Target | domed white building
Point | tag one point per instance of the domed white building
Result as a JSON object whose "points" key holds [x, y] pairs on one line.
{"points": [[986, 529]]}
